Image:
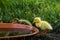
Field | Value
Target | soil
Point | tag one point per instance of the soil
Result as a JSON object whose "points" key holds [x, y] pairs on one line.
{"points": [[49, 36]]}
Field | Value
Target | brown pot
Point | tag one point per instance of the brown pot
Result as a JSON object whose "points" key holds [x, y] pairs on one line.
{"points": [[9, 27]]}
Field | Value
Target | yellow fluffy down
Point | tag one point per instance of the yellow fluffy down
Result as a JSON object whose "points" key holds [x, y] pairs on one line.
{"points": [[42, 24]]}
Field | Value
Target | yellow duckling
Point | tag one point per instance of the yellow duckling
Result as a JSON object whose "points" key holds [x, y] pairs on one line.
{"points": [[43, 25], [15, 20]]}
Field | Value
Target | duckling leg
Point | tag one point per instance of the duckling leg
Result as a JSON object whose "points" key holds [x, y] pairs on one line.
{"points": [[43, 33]]}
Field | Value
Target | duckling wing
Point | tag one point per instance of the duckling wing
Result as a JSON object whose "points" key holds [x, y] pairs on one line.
{"points": [[46, 25]]}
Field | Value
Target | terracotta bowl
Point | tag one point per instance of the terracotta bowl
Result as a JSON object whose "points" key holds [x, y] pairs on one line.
{"points": [[9, 27]]}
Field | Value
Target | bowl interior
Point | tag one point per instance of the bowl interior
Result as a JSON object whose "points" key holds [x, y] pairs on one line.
{"points": [[9, 27]]}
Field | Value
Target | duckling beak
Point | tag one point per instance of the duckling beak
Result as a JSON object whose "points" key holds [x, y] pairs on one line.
{"points": [[33, 21]]}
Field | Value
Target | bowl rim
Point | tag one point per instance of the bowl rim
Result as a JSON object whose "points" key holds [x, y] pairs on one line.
{"points": [[33, 29]]}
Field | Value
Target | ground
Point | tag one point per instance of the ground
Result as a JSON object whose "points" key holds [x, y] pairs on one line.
{"points": [[49, 36]]}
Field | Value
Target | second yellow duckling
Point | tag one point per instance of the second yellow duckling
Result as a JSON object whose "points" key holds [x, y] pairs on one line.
{"points": [[15, 20]]}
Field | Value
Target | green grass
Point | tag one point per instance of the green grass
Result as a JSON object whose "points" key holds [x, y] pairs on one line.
{"points": [[48, 10]]}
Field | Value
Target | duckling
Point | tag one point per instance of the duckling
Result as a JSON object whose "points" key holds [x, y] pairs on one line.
{"points": [[15, 20], [43, 25], [21, 21]]}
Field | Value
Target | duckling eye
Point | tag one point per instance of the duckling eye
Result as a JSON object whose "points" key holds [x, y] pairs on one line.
{"points": [[36, 20]]}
